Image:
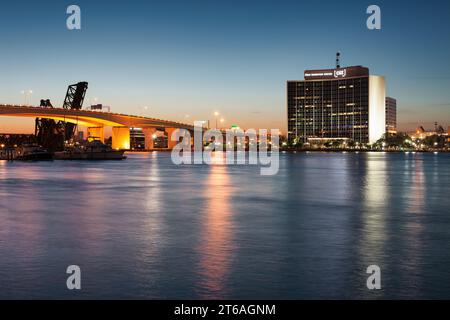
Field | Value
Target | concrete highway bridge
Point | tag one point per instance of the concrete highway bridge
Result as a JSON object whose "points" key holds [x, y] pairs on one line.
{"points": [[96, 121]]}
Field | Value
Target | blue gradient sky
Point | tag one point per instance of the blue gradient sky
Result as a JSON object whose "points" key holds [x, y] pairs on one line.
{"points": [[194, 57]]}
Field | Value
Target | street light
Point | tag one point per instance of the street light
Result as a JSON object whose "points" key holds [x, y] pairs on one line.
{"points": [[26, 93], [145, 110], [216, 114], [222, 121]]}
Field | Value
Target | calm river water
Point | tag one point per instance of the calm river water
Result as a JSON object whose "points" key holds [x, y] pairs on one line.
{"points": [[145, 228]]}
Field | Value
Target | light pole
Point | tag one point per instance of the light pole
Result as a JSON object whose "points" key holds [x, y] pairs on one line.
{"points": [[216, 114], [26, 93], [222, 121]]}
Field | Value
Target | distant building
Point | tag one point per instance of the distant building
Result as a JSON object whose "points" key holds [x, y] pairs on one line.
{"points": [[438, 128], [336, 104], [448, 135], [420, 130], [391, 115], [137, 139], [421, 133]]}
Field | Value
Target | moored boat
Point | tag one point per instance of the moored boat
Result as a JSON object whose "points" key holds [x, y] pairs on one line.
{"points": [[32, 153], [94, 150]]}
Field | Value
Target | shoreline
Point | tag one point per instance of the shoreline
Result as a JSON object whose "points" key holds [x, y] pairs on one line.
{"points": [[317, 150], [358, 151]]}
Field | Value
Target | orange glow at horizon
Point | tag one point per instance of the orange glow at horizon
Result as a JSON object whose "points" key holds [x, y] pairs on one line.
{"points": [[16, 125]]}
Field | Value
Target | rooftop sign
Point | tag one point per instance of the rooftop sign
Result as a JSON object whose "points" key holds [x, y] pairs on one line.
{"points": [[349, 72]]}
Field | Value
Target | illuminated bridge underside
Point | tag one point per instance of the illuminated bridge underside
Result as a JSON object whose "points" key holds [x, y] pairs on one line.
{"points": [[89, 118], [95, 120]]}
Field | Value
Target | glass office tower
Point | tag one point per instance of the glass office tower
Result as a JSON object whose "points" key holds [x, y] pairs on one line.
{"points": [[342, 104]]}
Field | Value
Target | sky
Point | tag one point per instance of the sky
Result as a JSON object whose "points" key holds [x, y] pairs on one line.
{"points": [[184, 60]]}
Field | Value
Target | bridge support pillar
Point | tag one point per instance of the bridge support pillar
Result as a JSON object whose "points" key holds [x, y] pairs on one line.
{"points": [[121, 138], [148, 133], [97, 133], [170, 144]]}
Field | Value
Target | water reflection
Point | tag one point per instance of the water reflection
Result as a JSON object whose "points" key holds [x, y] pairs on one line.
{"points": [[22, 231], [414, 226], [217, 242], [416, 194], [87, 218], [375, 197], [153, 223], [144, 228]]}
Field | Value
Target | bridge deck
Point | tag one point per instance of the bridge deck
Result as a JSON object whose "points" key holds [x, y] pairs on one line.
{"points": [[89, 117]]}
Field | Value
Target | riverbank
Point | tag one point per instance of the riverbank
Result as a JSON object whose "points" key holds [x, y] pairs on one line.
{"points": [[362, 150]]}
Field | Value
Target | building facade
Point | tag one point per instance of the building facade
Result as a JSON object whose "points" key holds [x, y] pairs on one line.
{"points": [[336, 104], [391, 115]]}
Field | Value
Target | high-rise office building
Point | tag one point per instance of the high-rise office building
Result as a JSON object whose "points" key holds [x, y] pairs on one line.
{"points": [[342, 104], [391, 115]]}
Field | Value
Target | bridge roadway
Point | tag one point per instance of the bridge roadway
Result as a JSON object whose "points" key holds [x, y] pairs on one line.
{"points": [[96, 121]]}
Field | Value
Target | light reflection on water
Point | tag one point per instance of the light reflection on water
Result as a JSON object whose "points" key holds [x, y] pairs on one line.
{"points": [[217, 243], [144, 228], [374, 214]]}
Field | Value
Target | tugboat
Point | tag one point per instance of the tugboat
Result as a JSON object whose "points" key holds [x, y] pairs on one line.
{"points": [[32, 152], [93, 150]]}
